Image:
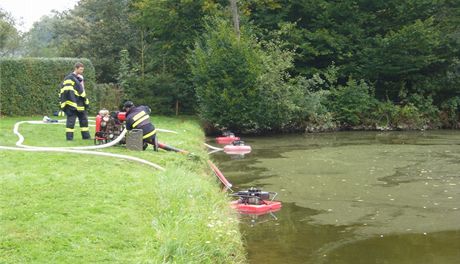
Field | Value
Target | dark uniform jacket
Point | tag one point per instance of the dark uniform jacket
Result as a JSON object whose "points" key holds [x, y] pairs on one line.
{"points": [[138, 117], [72, 95]]}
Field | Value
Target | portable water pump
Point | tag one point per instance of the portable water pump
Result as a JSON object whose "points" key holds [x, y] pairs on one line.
{"points": [[254, 196], [108, 126], [238, 143], [228, 134]]}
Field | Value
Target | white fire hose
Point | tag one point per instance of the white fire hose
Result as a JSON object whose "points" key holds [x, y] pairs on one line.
{"points": [[78, 150]]}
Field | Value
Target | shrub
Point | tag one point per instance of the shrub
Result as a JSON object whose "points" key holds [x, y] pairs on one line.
{"points": [[30, 86], [242, 84], [352, 104], [429, 113], [108, 96], [408, 117], [385, 114], [450, 115]]}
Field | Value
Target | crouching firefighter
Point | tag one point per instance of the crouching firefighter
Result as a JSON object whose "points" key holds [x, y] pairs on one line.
{"points": [[137, 117], [74, 103]]}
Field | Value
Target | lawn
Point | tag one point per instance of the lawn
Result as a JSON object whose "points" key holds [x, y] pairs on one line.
{"points": [[72, 208]]}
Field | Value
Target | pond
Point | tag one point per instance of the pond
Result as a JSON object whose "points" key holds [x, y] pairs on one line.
{"points": [[353, 197]]}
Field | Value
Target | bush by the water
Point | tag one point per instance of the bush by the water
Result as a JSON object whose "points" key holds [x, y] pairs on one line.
{"points": [[242, 84], [30, 86]]}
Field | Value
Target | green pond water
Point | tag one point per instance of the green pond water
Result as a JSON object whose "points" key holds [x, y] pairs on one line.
{"points": [[353, 197]]}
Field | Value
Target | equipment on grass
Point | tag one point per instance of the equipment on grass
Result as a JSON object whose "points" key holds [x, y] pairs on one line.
{"points": [[108, 126], [46, 119]]}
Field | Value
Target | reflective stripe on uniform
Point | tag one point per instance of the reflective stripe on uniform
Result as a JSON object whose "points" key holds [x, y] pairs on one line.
{"points": [[69, 82], [140, 120], [83, 94], [86, 101], [69, 130], [83, 129], [139, 115], [69, 88], [80, 108], [149, 134], [68, 103]]}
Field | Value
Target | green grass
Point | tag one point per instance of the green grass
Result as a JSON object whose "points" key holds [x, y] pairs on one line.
{"points": [[70, 208]]}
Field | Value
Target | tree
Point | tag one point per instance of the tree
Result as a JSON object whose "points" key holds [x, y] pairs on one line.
{"points": [[39, 39], [10, 37], [242, 84], [98, 30], [171, 28]]}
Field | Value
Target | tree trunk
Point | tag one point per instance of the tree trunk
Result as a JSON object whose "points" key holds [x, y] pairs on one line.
{"points": [[236, 19], [177, 107], [142, 53]]}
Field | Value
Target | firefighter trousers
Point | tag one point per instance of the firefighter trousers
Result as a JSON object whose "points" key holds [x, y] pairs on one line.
{"points": [[70, 124], [150, 136]]}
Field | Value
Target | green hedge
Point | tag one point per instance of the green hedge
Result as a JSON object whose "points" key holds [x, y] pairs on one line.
{"points": [[30, 86]]}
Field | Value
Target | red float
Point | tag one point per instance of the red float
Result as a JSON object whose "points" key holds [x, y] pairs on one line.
{"points": [[237, 149], [226, 140], [263, 208]]}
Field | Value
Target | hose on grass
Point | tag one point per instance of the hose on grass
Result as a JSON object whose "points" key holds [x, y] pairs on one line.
{"points": [[78, 150]]}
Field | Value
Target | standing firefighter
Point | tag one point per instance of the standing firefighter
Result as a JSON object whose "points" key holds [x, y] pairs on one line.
{"points": [[74, 102], [137, 117]]}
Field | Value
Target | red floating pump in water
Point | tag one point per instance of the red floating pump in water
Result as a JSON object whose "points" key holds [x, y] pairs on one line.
{"points": [[237, 147], [226, 138], [255, 201], [266, 207]]}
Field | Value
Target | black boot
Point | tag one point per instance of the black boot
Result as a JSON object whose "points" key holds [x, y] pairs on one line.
{"points": [[85, 135], [69, 135]]}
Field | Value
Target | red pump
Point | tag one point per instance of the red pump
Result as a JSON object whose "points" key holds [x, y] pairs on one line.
{"points": [[255, 201], [237, 147], [226, 138]]}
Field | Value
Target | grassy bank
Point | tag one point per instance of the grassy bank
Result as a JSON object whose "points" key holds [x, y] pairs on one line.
{"points": [[69, 208]]}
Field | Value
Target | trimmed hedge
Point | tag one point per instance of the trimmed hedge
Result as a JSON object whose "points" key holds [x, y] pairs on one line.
{"points": [[30, 86]]}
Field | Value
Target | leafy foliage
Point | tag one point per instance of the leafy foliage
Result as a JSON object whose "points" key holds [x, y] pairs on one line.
{"points": [[31, 85], [242, 84], [352, 103], [400, 49], [10, 37]]}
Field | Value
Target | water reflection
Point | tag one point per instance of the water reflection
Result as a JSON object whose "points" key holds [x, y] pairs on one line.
{"points": [[352, 192]]}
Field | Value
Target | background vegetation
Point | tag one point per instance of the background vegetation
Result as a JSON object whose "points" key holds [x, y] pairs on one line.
{"points": [[395, 62], [31, 85]]}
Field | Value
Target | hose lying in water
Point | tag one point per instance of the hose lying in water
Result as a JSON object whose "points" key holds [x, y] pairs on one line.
{"points": [[212, 147], [77, 150]]}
